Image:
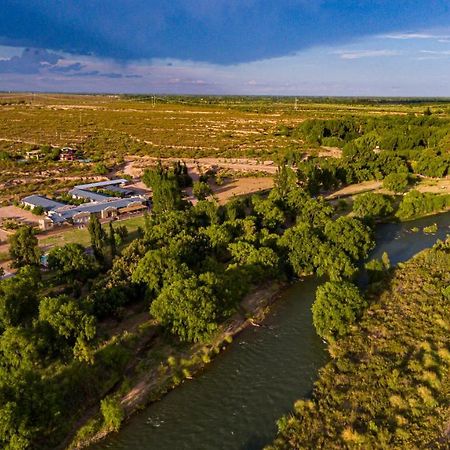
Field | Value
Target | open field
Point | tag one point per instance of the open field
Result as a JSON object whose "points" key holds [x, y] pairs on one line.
{"points": [[234, 133]]}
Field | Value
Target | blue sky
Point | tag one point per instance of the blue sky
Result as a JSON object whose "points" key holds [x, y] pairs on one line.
{"points": [[273, 47]]}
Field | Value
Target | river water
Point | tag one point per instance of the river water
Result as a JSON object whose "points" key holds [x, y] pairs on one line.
{"points": [[235, 403]]}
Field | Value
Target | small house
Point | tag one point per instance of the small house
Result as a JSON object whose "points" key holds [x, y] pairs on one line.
{"points": [[67, 154], [34, 155]]}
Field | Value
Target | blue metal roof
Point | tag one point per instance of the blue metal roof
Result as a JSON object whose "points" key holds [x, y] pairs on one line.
{"points": [[67, 213], [102, 184], [93, 196], [44, 202]]}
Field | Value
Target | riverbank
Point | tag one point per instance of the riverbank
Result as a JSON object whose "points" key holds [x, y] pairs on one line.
{"points": [[133, 395], [387, 384], [178, 364]]}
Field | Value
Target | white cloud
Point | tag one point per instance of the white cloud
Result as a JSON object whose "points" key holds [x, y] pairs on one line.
{"points": [[436, 52], [357, 54], [410, 36]]}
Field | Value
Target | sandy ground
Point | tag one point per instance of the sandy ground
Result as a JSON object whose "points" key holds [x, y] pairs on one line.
{"points": [[425, 185], [135, 166], [355, 189], [14, 212], [241, 186]]}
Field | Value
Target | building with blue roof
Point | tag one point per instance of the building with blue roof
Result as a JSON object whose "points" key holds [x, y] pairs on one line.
{"points": [[104, 210], [34, 201], [101, 205]]}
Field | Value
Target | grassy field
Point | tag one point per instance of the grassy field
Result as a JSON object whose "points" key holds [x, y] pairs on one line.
{"points": [[81, 235]]}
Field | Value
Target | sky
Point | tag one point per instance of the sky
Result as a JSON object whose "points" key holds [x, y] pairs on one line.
{"points": [[243, 47]]}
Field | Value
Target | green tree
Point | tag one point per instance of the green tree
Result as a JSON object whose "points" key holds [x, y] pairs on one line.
{"points": [[376, 268], [302, 244], [68, 319], [71, 262], [98, 237], [158, 267], [371, 206], [337, 306], [18, 349], [332, 261], [351, 235], [101, 169], [38, 210], [112, 240], [18, 297], [270, 214], [262, 262], [166, 190], [189, 307], [315, 211], [396, 182], [285, 182], [201, 190], [23, 247]]}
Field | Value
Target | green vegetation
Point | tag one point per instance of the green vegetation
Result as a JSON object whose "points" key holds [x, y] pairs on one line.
{"points": [[387, 385], [338, 305], [105, 130], [23, 247], [70, 335], [190, 268], [396, 182], [372, 206], [415, 204], [201, 190]]}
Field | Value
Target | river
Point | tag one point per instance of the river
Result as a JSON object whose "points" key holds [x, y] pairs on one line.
{"points": [[235, 402]]}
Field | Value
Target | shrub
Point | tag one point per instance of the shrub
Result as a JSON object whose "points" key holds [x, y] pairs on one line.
{"points": [[112, 412]]}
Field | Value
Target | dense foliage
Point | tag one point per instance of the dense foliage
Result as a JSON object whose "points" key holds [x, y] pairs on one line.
{"points": [[415, 204], [191, 267], [387, 385]]}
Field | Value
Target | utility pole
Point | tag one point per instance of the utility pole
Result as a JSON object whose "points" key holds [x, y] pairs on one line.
{"points": [[295, 105]]}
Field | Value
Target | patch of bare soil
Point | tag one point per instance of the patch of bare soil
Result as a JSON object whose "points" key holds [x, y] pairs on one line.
{"points": [[241, 186], [355, 189]]}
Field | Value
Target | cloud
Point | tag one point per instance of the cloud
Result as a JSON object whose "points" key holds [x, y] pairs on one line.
{"points": [[75, 67], [358, 54], [222, 32], [31, 61], [41, 61], [436, 52], [416, 36]]}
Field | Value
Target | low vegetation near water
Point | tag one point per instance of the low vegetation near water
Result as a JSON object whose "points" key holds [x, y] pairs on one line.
{"points": [[388, 383]]}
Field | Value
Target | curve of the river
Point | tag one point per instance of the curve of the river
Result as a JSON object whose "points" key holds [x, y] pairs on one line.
{"points": [[235, 403]]}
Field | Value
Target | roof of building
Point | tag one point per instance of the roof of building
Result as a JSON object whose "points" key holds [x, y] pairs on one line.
{"points": [[93, 196], [102, 184], [44, 202], [120, 190], [62, 214]]}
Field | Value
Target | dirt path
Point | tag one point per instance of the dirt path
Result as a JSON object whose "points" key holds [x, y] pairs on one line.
{"points": [[435, 186], [135, 165]]}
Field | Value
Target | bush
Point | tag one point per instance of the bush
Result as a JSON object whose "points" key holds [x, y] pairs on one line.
{"points": [[38, 210], [372, 206], [396, 182], [112, 412], [415, 204], [337, 306], [101, 169]]}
